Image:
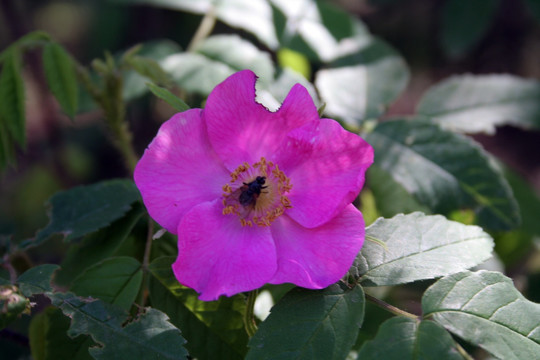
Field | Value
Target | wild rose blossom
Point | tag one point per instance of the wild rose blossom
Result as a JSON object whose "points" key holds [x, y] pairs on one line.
{"points": [[256, 196]]}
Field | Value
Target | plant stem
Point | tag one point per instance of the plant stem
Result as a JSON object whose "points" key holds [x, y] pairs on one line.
{"points": [[146, 261], [394, 310], [249, 319], [463, 352], [204, 29]]}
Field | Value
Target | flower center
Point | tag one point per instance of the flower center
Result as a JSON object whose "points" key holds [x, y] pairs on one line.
{"points": [[256, 193]]}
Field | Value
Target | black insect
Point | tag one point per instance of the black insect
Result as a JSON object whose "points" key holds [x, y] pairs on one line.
{"points": [[251, 191]]}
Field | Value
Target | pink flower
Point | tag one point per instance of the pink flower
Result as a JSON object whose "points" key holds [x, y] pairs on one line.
{"points": [[256, 196]]}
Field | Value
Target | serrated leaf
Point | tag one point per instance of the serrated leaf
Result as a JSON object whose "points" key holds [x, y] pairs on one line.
{"points": [[214, 59], [85, 209], [27, 41], [37, 279], [49, 341], [485, 309], [464, 23], [115, 280], [213, 329], [167, 96], [419, 247], [12, 112], [444, 171], [474, 104], [401, 338], [97, 246], [60, 74], [150, 336], [362, 85], [320, 324]]}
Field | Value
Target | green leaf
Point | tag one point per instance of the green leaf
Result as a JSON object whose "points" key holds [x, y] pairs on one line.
{"points": [[464, 23], [418, 247], [150, 336], [115, 280], [49, 341], [171, 99], [85, 209], [213, 329], [474, 104], [485, 309], [12, 112], [361, 85], [60, 73], [12, 305], [150, 69], [214, 60], [28, 41], [320, 324], [401, 338], [37, 279], [444, 171]]}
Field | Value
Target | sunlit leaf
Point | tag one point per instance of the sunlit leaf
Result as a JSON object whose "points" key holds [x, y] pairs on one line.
{"points": [[167, 96], [60, 73], [418, 247], [320, 324], [12, 112], [115, 280], [444, 171], [37, 279], [150, 336], [474, 104], [485, 309], [401, 338], [213, 329]]}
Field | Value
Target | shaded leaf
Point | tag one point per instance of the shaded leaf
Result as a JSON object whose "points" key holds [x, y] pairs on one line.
{"points": [[361, 85], [150, 336], [320, 324], [444, 171], [7, 145], [37, 279], [60, 74], [171, 99], [115, 280], [464, 23], [12, 112], [213, 329], [474, 104], [485, 309], [30, 40], [401, 338], [12, 304], [85, 209], [418, 247]]}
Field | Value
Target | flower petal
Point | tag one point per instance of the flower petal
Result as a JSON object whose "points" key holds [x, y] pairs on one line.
{"points": [[316, 258], [326, 165], [179, 170], [241, 129], [218, 256]]}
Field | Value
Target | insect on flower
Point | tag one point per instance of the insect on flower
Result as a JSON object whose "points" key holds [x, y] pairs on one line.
{"points": [[249, 192]]}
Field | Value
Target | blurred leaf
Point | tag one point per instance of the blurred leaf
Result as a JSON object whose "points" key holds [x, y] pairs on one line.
{"points": [[37, 279], [213, 329], [85, 209], [401, 338], [444, 171], [361, 85], [317, 29], [97, 246], [150, 336], [295, 61], [12, 112], [534, 8], [49, 341], [485, 309], [418, 247], [167, 96], [12, 305], [474, 104], [7, 145], [214, 60], [464, 23], [150, 69], [115, 280], [254, 16], [61, 77], [27, 41], [320, 324]]}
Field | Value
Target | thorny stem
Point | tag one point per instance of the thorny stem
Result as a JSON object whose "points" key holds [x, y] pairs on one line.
{"points": [[249, 318], [204, 29], [394, 310]]}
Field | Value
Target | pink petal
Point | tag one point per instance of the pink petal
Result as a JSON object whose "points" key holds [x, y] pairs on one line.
{"points": [[241, 129], [316, 258], [179, 170], [326, 165], [217, 256]]}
